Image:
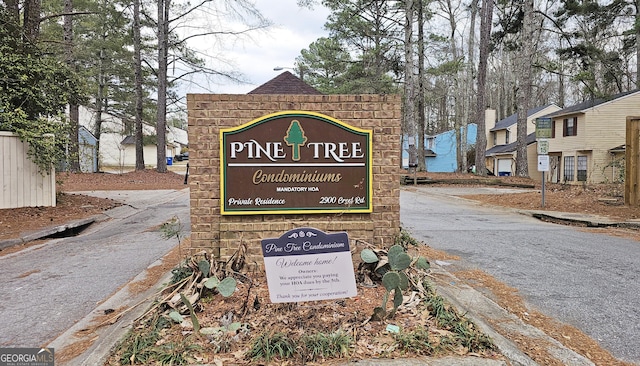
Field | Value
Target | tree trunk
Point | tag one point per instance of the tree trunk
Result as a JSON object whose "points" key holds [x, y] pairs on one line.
{"points": [[525, 55], [422, 163], [561, 87], [486, 17], [409, 83], [137, 46], [13, 11], [74, 152], [457, 91], [637, 31], [100, 104], [163, 33], [74, 128], [470, 69], [32, 21]]}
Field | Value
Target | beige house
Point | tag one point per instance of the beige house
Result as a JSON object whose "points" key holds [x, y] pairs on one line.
{"points": [[500, 157], [587, 143]]}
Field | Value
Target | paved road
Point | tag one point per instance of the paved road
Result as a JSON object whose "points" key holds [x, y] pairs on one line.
{"points": [[588, 280], [47, 288]]}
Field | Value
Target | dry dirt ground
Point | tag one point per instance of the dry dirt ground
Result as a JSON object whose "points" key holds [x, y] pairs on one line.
{"points": [[603, 200], [597, 199], [15, 222]]}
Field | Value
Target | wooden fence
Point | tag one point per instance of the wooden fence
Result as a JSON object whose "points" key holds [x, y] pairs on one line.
{"points": [[22, 185]]}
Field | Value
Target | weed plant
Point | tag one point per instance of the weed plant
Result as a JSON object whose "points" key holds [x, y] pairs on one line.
{"points": [[320, 345], [175, 353], [405, 240], [137, 348], [465, 333], [268, 346], [415, 342]]}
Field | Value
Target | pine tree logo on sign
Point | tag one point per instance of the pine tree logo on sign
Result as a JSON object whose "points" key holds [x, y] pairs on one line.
{"points": [[295, 138]]}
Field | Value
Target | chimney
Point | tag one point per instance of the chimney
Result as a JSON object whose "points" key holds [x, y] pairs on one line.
{"points": [[489, 123]]}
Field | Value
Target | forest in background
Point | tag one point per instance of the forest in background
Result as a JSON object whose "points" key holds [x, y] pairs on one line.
{"points": [[449, 59]]}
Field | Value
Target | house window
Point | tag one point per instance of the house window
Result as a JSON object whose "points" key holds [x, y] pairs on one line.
{"points": [[570, 126], [569, 168], [582, 168], [495, 138], [431, 143], [506, 137]]}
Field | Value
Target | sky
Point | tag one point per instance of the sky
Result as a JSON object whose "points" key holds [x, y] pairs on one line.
{"points": [[293, 29]]}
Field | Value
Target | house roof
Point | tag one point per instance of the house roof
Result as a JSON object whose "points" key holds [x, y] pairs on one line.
{"points": [[146, 140], [447, 132], [512, 119], [621, 148], [129, 140], [582, 107], [509, 148], [178, 135], [428, 153], [285, 83], [86, 137]]}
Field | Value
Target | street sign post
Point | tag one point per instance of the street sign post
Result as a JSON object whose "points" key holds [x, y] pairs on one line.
{"points": [[543, 147], [544, 127], [544, 131], [543, 163]]}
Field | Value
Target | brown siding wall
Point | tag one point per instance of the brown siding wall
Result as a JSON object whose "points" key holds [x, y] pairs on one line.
{"points": [[208, 113]]}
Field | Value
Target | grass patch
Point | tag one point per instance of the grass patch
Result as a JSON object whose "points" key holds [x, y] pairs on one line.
{"points": [[415, 342], [268, 346], [322, 346]]}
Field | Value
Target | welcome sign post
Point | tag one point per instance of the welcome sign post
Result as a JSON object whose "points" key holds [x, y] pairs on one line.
{"points": [[306, 264], [295, 162]]}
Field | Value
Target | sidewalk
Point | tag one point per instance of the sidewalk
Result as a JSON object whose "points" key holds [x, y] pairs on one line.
{"points": [[580, 219], [491, 319]]}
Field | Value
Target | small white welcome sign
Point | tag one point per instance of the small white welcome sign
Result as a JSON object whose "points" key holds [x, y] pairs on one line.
{"points": [[307, 264]]}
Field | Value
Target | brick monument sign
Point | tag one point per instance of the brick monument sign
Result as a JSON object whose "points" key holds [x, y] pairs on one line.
{"points": [[263, 164]]}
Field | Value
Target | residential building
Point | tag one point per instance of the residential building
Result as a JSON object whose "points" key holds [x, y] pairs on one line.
{"points": [[441, 150], [587, 142], [117, 147], [500, 157], [87, 149]]}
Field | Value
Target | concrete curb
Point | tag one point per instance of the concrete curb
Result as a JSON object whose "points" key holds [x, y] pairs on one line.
{"points": [[581, 219], [493, 320], [120, 212], [107, 337], [49, 231]]}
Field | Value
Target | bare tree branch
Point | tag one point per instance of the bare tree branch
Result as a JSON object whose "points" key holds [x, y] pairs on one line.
{"points": [[59, 15]]}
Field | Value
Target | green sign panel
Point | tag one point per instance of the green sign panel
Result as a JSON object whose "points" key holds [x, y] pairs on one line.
{"points": [[544, 128]]}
